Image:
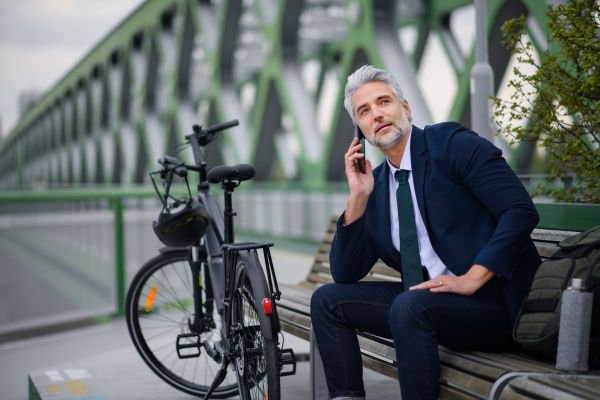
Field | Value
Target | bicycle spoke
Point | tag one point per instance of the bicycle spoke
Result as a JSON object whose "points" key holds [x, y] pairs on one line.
{"points": [[173, 292], [156, 327], [195, 369], [189, 288], [166, 301], [174, 361], [149, 317], [161, 334], [184, 366]]}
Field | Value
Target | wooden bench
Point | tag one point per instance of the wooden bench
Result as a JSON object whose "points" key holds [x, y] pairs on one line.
{"points": [[463, 375]]}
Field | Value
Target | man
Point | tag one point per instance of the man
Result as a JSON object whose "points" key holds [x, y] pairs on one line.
{"points": [[446, 211]]}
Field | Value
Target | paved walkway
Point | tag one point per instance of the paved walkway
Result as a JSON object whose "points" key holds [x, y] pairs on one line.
{"points": [[103, 358]]}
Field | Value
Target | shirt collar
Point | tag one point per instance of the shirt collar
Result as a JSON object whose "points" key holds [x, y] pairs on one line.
{"points": [[406, 162]]}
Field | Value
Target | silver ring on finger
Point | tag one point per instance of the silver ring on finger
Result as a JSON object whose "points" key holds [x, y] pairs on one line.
{"points": [[441, 283]]}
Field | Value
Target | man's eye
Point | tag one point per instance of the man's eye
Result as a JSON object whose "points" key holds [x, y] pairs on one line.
{"points": [[384, 101], [364, 110]]}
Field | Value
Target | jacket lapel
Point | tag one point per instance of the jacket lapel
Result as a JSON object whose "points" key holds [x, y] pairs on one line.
{"points": [[419, 163], [382, 199]]}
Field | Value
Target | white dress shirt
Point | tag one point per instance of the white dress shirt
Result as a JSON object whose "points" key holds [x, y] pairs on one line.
{"points": [[429, 259]]}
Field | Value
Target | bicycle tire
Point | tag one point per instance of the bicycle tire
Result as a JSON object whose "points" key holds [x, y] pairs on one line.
{"points": [[154, 333], [258, 376]]}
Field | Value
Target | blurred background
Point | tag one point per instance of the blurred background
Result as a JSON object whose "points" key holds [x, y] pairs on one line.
{"points": [[93, 92]]}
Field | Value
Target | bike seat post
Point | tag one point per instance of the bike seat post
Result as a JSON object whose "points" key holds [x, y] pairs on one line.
{"points": [[229, 212]]}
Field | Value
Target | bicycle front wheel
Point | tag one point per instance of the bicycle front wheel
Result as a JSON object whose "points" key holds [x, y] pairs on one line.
{"points": [[160, 306], [257, 364]]}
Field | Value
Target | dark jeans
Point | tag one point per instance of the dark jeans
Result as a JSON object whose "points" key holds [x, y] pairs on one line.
{"points": [[416, 320]]}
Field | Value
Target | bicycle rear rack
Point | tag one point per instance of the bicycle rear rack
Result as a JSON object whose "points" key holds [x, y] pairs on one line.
{"points": [[272, 279]]}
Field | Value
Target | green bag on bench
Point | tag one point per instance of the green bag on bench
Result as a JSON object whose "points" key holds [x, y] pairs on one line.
{"points": [[537, 324]]}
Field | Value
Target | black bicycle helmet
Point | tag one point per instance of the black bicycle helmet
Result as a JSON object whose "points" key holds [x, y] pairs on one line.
{"points": [[182, 228]]}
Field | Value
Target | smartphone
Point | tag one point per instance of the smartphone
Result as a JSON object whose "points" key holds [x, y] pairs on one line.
{"points": [[361, 139]]}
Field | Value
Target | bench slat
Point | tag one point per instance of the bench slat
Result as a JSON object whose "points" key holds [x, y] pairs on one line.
{"points": [[298, 292], [318, 265], [560, 388], [308, 285], [321, 268], [379, 366], [324, 247], [294, 330], [328, 237], [478, 387], [514, 361], [589, 387], [377, 348], [295, 307], [312, 277], [322, 257], [551, 236], [461, 362], [332, 227], [294, 318], [449, 393]]}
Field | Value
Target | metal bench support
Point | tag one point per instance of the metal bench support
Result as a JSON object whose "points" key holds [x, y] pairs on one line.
{"points": [[318, 384]]}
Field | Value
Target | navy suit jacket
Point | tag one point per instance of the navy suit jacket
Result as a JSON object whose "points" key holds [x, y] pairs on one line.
{"points": [[474, 207]]}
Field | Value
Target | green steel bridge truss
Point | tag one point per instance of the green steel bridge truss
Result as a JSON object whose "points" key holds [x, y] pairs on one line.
{"points": [[279, 66]]}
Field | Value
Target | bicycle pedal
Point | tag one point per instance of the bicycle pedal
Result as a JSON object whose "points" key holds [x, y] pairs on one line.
{"points": [[287, 357], [195, 345]]}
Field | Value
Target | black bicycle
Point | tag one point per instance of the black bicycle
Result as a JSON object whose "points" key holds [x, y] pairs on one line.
{"points": [[204, 304]]}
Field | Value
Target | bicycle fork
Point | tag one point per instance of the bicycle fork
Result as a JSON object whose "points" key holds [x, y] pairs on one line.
{"points": [[203, 321]]}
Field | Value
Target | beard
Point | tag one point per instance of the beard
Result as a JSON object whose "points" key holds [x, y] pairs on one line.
{"points": [[397, 133]]}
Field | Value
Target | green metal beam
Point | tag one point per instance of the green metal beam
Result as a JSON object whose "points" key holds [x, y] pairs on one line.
{"points": [[211, 37]]}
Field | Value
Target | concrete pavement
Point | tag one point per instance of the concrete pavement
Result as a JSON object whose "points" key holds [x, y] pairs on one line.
{"points": [[106, 365]]}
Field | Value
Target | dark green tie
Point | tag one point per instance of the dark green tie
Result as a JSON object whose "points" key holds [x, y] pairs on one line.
{"points": [[412, 272]]}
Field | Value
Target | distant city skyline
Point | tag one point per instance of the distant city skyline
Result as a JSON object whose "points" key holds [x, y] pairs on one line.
{"points": [[41, 40]]}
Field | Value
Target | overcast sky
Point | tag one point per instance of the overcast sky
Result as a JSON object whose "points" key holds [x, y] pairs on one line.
{"points": [[41, 40]]}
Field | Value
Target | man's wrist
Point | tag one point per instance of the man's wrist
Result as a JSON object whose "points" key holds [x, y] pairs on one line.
{"points": [[357, 204], [479, 275]]}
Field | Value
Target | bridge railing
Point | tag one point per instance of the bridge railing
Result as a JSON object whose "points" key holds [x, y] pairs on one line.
{"points": [[68, 255]]}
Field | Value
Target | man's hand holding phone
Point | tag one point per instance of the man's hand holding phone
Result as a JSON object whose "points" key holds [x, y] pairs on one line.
{"points": [[361, 184]]}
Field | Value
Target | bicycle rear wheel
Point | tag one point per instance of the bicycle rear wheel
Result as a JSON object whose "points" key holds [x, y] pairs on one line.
{"points": [[160, 306], [257, 364]]}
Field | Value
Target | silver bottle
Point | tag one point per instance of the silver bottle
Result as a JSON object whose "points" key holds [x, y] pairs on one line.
{"points": [[574, 330]]}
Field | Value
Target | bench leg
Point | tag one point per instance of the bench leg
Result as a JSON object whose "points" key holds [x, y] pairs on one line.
{"points": [[318, 384]]}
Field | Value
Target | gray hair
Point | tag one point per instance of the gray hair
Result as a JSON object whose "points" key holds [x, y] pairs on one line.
{"points": [[367, 74]]}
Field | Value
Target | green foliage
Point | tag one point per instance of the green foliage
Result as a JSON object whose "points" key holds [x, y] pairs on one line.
{"points": [[560, 100]]}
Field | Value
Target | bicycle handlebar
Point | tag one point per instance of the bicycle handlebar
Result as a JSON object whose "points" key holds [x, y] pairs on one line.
{"points": [[222, 127], [214, 129]]}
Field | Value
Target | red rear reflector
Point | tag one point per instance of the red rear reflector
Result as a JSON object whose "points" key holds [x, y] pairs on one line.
{"points": [[267, 306]]}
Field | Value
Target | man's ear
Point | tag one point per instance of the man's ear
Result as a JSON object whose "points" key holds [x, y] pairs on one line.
{"points": [[406, 108]]}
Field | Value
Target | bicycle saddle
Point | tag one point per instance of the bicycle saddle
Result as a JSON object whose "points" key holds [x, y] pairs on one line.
{"points": [[240, 172]]}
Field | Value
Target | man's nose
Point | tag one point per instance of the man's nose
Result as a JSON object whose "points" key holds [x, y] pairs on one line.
{"points": [[377, 114]]}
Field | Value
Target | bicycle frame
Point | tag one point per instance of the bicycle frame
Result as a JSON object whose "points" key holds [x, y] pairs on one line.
{"points": [[220, 254]]}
